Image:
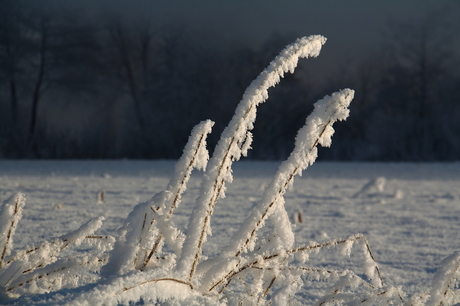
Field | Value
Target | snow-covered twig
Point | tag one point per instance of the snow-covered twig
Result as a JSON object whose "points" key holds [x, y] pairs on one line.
{"points": [[136, 243], [195, 155], [25, 261], [10, 214], [67, 264], [443, 282], [45, 251], [173, 236], [370, 265], [317, 130], [234, 142]]}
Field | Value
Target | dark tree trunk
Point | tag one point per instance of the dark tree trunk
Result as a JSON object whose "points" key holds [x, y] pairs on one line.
{"points": [[130, 77], [32, 144]]}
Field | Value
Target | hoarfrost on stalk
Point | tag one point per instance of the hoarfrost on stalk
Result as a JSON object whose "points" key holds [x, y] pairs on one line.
{"points": [[442, 292], [137, 235], [153, 261], [232, 145], [10, 214]]}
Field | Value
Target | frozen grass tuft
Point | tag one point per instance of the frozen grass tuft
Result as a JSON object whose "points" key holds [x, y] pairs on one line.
{"points": [[150, 260]]}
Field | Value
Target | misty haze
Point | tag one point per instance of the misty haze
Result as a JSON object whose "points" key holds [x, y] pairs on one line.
{"points": [[112, 79]]}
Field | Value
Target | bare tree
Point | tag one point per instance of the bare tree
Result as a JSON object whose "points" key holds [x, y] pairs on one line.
{"points": [[419, 62]]}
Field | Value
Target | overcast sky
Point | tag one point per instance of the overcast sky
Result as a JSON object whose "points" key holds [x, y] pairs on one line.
{"points": [[353, 27], [254, 20], [346, 23]]}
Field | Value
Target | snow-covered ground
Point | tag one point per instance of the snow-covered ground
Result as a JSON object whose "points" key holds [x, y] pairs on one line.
{"points": [[409, 212]]}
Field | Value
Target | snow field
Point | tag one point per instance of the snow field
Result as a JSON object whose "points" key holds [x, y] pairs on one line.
{"points": [[411, 225]]}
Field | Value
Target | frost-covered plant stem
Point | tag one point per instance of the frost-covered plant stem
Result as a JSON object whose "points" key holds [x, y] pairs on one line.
{"points": [[25, 253], [34, 263], [58, 267], [10, 214], [234, 142], [136, 243], [159, 280], [444, 281], [195, 156], [370, 264], [317, 130], [24, 262]]}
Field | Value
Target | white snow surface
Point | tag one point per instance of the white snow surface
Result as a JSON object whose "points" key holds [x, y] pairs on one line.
{"points": [[411, 221]]}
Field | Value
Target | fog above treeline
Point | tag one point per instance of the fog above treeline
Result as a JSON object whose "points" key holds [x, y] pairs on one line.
{"points": [[129, 79]]}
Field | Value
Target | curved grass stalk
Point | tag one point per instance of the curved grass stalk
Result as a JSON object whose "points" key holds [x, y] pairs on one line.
{"points": [[195, 156], [10, 214], [317, 130], [131, 249], [313, 133], [444, 281], [234, 143]]}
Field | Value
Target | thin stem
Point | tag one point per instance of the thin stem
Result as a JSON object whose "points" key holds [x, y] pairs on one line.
{"points": [[238, 127], [158, 280], [11, 230], [180, 189], [281, 191], [226, 279]]}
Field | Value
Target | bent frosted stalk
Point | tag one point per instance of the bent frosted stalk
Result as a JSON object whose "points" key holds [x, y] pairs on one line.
{"points": [[444, 282], [195, 156], [10, 214], [317, 130], [136, 234], [234, 142], [45, 253]]}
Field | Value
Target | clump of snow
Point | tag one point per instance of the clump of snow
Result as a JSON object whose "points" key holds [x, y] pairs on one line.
{"points": [[375, 185], [399, 194], [345, 249]]}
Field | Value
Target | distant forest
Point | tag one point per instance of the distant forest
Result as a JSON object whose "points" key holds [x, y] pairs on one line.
{"points": [[84, 84]]}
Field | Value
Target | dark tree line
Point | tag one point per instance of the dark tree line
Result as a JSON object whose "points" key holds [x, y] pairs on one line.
{"points": [[86, 84]]}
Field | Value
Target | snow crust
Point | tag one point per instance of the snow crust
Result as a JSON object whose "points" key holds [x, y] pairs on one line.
{"points": [[410, 236]]}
